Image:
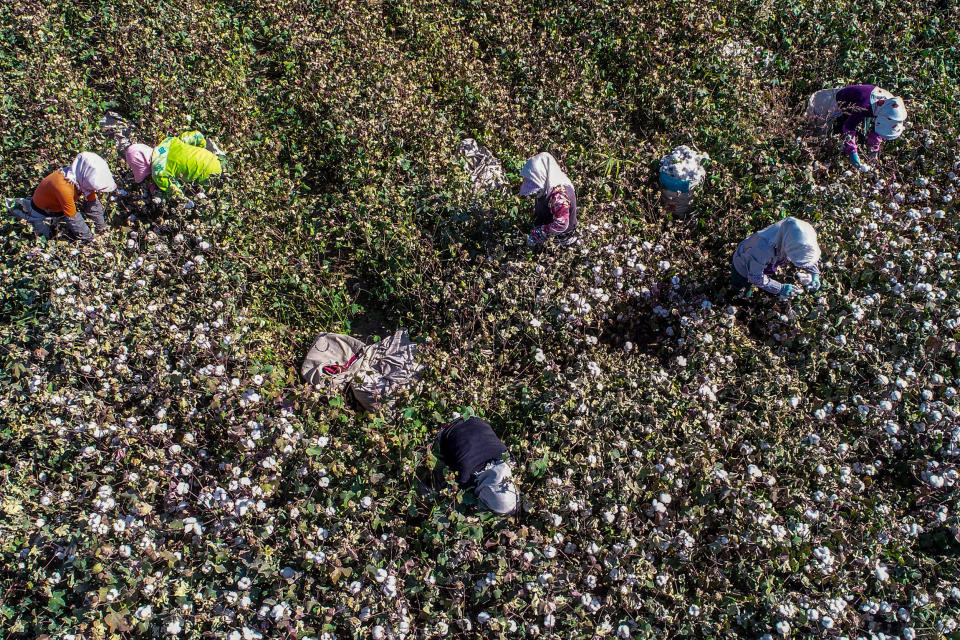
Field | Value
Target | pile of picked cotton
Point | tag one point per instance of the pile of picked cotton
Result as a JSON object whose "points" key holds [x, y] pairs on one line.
{"points": [[485, 170], [681, 172], [685, 164]]}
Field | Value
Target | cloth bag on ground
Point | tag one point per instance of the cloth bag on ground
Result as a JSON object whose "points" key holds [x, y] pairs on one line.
{"points": [[822, 110], [388, 366], [333, 360], [374, 373], [485, 170]]}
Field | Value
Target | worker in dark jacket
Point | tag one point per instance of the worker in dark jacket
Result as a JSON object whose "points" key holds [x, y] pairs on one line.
{"points": [[476, 454]]}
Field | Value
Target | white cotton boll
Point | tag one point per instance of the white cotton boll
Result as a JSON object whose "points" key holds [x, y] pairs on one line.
{"points": [[880, 570]]}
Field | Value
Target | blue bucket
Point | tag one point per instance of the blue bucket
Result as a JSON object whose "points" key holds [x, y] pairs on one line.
{"points": [[673, 184]]}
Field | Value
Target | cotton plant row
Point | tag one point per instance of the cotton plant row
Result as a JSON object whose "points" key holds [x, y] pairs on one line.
{"points": [[208, 492], [128, 329]]}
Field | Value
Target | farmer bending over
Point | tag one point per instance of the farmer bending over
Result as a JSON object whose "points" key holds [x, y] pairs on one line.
{"points": [[758, 257], [476, 454], [58, 194], [849, 107], [555, 209], [174, 161]]}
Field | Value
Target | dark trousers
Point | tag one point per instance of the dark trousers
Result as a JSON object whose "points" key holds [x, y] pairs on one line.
{"points": [[738, 283], [77, 228]]}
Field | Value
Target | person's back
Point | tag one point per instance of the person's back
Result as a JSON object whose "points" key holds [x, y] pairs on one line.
{"points": [[759, 257], [758, 250], [476, 454], [544, 206], [59, 193], [55, 194], [468, 445], [189, 163], [176, 160]]}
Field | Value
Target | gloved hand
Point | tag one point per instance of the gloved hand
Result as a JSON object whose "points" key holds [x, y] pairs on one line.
{"points": [[873, 155], [531, 241], [814, 283], [855, 161], [788, 291]]}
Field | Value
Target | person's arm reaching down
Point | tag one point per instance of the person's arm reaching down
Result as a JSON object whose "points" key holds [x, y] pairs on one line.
{"points": [[560, 210]]}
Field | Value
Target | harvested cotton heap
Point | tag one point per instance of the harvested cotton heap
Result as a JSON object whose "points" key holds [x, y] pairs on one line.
{"points": [[684, 163]]}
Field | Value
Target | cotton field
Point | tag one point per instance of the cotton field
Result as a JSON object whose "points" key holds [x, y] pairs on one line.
{"points": [[690, 463]]}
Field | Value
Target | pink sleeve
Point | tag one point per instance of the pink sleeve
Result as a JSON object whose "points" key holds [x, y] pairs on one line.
{"points": [[559, 205]]}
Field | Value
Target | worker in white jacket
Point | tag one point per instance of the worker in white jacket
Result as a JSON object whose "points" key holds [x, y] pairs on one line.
{"points": [[757, 259]]}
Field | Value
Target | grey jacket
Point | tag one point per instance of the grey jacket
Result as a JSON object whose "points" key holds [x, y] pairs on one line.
{"points": [[761, 254]]}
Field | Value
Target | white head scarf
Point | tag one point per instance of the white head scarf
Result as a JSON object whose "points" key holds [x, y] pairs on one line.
{"points": [[891, 114], [496, 490], [798, 241], [541, 174], [878, 95], [90, 173]]}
